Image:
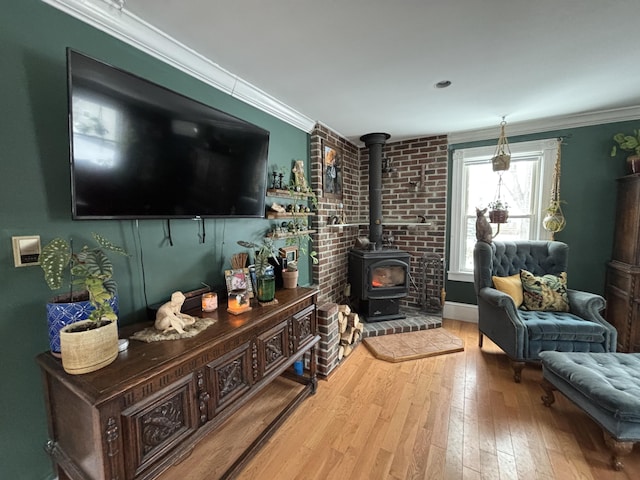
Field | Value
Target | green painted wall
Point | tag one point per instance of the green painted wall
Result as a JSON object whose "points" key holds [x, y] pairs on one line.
{"points": [[588, 186], [35, 200]]}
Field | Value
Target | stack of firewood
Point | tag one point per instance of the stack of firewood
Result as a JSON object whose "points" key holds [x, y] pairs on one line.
{"points": [[350, 328]]}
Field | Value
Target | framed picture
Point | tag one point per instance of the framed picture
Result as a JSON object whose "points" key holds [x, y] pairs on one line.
{"points": [[332, 170], [290, 253], [238, 279]]}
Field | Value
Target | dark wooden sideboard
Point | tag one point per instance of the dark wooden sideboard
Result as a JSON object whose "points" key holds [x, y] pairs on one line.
{"points": [[140, 415]]}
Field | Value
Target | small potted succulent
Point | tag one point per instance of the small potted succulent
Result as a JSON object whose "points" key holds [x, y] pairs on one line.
{"points": [[92, 311], [630, 144]]}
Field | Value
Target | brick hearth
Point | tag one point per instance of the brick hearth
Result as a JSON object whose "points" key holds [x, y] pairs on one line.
{"points": [[416, 320], [329, 336]]}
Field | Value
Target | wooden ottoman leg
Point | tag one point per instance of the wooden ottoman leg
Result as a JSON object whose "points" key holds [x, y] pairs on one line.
{"points": [[480, 338], [618, 449], [517, 370], [548, 398]]}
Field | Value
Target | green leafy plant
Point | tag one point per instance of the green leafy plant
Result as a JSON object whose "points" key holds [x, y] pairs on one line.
{"points": [[302, 241], [90, 268], [263, 252], [627, 143], [498, 205]]}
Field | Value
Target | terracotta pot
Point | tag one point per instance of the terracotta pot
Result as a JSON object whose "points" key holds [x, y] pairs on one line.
{"points": [[290, 279], [633, 164], [89, 350]]}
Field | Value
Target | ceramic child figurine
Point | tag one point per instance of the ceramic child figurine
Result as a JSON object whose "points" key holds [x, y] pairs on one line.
{"points": [[169, 316], [483, 228]]}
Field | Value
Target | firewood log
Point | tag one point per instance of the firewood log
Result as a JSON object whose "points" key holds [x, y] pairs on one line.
{"points": [[347, 350], [340, 352], [347, 337], [344, 309], [353, 320], [342, 322]]}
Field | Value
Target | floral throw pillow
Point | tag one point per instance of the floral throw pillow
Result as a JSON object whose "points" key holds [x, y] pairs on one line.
{"points": [[547, 293]]}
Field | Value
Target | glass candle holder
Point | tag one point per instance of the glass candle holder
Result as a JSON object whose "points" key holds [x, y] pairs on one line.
{"points": [[209, 301], [238, 302]]}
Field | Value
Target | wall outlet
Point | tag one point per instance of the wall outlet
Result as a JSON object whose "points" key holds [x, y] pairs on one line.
{"points": [[26, 250]]}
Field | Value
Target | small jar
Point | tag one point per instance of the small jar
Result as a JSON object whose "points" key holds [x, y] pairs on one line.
{"points": [[209, 301]]}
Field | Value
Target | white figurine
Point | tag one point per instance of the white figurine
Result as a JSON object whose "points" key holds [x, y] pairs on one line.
{"points": [[169, 316]]}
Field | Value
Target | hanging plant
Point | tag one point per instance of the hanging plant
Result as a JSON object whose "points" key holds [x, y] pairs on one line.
{"points": [[498, 211], [555, 221], [502, 158]]}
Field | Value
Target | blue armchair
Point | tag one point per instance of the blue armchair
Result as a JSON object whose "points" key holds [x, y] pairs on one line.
{"points": [[523, 334]]}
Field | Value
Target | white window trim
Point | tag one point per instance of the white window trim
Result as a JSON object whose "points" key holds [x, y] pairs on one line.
{"points": [[547, 147]]}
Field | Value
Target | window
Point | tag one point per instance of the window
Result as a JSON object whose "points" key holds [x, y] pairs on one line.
{"points": [[526, 187]]}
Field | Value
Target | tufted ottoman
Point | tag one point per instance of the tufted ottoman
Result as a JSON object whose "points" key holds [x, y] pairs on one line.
{"points": [[606, 386]]}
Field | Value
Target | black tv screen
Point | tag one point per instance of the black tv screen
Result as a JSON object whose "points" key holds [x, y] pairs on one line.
{"points": [[139, 150]]}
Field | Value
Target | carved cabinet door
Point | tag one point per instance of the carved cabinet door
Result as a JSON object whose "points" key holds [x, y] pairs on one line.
{"points": [[157, 424], [231, 376], [304, 327], [273, 348]]}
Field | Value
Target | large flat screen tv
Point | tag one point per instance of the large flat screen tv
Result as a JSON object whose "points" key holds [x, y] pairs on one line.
{"points": [[139, 150]]}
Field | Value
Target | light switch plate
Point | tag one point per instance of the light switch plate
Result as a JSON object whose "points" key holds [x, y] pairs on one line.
{"points": [[26, 250]]}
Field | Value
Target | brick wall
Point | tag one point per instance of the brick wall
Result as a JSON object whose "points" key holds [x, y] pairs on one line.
{"points": [[416, 188]]}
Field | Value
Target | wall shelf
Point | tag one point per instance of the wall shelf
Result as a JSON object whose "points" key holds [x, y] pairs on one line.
{"points": [[275, 215], [388, 224], [275, 192], [278, 236]]}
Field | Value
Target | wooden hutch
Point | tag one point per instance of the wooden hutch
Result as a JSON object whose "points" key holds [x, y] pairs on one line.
{"points": [[623, 272]]}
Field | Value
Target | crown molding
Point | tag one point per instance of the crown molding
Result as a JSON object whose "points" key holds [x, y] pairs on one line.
{"points": [[112, 18], [550, 124]]}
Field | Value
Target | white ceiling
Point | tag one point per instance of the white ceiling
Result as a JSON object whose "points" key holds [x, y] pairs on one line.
{"points": [[361, 66]]}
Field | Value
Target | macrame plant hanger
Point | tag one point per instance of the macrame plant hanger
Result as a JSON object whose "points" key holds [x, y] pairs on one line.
{"points": [[554, 221], [500, 162]]}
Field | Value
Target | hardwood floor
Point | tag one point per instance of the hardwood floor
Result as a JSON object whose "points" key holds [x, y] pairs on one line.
{"points": [[455, 416]]}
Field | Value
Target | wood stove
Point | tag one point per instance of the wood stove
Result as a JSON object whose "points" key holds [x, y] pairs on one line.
{"points": [[379, 279]]}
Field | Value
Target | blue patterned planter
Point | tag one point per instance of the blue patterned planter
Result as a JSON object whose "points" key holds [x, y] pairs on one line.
{"points": [[62, 314]]}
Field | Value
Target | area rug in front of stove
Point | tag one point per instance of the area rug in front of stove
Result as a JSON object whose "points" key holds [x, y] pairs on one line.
{"points": [[400, 347]]}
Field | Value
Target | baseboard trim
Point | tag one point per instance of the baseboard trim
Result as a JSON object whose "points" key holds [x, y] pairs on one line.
{"points": [[464, 312]]}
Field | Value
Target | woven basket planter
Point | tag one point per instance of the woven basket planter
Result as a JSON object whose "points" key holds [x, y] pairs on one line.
{"points": [[61, 312], [498, 216], [89, 350]]}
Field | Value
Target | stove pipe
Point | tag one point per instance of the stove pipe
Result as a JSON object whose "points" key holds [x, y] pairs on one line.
{"points": [[374, 142]]}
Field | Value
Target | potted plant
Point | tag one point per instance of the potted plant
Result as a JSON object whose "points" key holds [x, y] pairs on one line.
{"points": [[76, 317], [265, 278], [498, 211], [290, 273], [631, 144]]}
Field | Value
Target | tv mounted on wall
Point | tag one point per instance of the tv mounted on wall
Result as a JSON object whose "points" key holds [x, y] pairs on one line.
{"points": [[139, 150]]}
